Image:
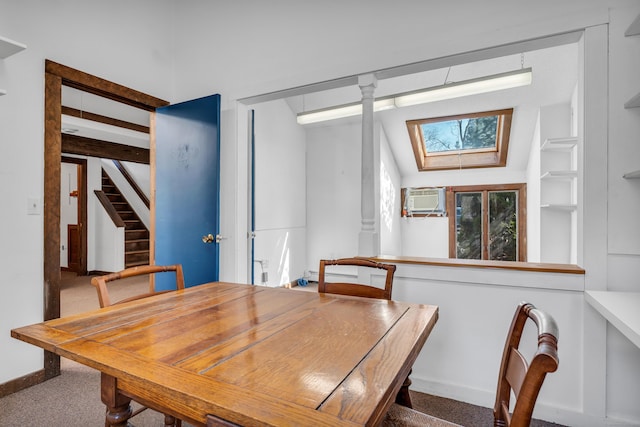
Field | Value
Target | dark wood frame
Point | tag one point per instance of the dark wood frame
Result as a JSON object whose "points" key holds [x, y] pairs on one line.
{"points": [[82, 209], [467, 159], [485, 189], [56, 76]]}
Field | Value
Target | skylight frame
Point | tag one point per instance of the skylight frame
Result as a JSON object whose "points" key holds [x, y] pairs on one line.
{"points": [[463, 159]]}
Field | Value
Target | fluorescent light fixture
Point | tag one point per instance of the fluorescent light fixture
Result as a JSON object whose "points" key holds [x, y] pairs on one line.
{"points": [[468, 87], [341, 111], [448, 91]]}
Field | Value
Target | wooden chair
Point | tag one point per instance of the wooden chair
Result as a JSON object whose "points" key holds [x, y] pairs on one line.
{"points": [[356, 289], [523, 378], [100, 282]]}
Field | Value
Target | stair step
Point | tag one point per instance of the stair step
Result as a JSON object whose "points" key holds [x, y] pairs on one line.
{"points": [[135, 234], [132, 224], [136, 257], [136, 245]]}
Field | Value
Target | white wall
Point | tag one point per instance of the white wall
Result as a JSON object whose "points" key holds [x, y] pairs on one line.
{"points": [[333, 189], [390, 181], [623, 204], [462, 355], [236, 50], [280, 195], [121, 41], [533, 197]]}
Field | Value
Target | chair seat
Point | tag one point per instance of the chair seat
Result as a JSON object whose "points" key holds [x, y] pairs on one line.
{"points": [[401, 416]]}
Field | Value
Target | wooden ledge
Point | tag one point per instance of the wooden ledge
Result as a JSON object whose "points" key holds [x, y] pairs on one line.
{"points": [[508, 265]]}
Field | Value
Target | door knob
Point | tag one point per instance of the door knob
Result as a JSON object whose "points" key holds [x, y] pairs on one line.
{"points": [[209, 238]]}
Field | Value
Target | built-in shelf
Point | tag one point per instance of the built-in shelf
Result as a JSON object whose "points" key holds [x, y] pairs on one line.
{"points": [[620, 309], [633, 102], [632, 175], [559, 144], [634, 28], [559, 175], [9, 47], [560, 207]]}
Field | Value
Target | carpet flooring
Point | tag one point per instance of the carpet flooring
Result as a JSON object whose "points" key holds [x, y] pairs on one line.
{"points": [[73, 398]]}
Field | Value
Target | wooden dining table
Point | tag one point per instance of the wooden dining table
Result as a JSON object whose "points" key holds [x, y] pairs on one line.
{"points": [[246, 355]]}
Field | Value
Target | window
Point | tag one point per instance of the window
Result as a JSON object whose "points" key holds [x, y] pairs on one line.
{"points": [[464, 141], [487, 222]]}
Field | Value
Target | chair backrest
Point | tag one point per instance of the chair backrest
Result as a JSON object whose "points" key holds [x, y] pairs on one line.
{"points": [[525, 378], [356, 289], [100, 282]]}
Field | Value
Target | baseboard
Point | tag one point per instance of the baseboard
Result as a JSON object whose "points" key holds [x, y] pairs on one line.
{"points": [[21, 383], [543, 411]]}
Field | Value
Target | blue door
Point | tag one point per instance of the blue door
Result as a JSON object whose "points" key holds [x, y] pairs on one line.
{"points": [[187, 184]]}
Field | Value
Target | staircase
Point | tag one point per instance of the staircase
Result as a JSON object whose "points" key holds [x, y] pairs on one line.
{"points": [[136, 235]]}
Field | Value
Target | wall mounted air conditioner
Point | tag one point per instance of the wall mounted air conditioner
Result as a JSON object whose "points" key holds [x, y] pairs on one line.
{"points": [[426, 201]]}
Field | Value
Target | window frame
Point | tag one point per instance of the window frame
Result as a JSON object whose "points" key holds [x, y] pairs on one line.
{"points": [[465, 159], [521, 188]]}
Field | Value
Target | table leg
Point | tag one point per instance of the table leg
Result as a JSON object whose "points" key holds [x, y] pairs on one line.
{"points": [[118, 405], [403, 397]]}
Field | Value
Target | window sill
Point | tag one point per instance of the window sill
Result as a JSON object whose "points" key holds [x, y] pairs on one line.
{"points": [[508, 265]]}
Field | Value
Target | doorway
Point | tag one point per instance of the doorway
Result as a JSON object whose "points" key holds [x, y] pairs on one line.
{"points": [[73, 215], [57, 76]]}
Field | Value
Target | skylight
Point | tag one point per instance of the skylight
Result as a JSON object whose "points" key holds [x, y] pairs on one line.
{"points": [[463, 141]]}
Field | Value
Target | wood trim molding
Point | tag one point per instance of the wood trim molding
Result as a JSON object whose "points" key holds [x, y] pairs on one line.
{"points": [[95, 85], [521, 188], [74, 144], [74, 112], [57, 75], [22, 383], [51, 214], [108, 207], [470, 263]]}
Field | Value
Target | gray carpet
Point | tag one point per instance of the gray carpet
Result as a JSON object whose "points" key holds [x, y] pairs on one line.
{"points": [[73, 398]]}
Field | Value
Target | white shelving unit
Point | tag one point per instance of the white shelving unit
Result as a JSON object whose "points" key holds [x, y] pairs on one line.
{"points": [[620, 309], [558, 194], [7, 48], [632, 175], [634, 28], [559, 165]]}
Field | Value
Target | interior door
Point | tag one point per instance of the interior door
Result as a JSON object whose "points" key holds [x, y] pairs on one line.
{"points": [[185, 189]]}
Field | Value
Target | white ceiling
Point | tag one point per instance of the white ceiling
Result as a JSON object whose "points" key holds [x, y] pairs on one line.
{"points": [[555, 71]]}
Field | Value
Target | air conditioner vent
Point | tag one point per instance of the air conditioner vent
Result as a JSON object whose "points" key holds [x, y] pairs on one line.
{"points": [[426, 200]]}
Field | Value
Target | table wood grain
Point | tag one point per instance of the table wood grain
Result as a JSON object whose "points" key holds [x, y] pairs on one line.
{"points": [[248, 354]]}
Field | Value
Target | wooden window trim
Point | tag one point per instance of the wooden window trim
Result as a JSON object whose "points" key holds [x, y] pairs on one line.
{"points": [[485, 189], [481, 158]]}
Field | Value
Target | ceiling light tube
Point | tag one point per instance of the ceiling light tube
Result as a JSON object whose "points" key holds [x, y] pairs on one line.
{"points": [[465, 88], [341, 111], [480, 85]]}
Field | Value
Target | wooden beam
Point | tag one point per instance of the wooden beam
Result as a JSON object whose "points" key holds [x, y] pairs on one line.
{"points": [[103, 119], [51, 213], [86, 82], [73, 144]]}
